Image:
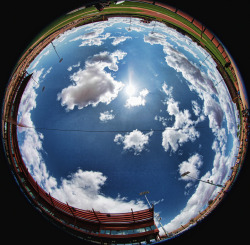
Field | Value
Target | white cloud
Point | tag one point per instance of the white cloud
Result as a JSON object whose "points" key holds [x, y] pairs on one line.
{"points": [[195, 204], [86, 185], [73, 66], [217, 106], [106, 116], [213, 110], [183, 129], [217, 102], [93, 85], [137, 101], [28, 101], [198, 79], [134, 141], [81, 189], [204, 192], [38, 58], [166, 90], [32, 143], [156, 38], [63, 36], [196, 108], [94, 37], [192, 165], [47, 72], [133, 28], [105, 59], [119, 39], [175, 138]]}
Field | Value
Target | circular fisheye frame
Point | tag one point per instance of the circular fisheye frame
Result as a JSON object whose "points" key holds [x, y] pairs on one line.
{"points": [[125, 122]]}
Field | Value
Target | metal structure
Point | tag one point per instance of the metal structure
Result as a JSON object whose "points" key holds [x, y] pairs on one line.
{"points": [[207, 182], [60, 59], [157, 216]]}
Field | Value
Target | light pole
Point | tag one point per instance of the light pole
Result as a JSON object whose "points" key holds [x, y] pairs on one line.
{"points": [[208, 182], [60, 59], [145, 193], [157, 216], [153, 28]]}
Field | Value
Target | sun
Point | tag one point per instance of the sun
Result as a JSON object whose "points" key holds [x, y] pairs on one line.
{"points": [[130, 89]]}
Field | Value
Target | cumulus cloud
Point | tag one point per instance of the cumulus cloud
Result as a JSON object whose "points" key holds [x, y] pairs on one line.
{"points": [[134, 141], [204, 192], [183, 129], [216, 102], [213, 110], [81, 189], [156, 38], [196, 108], [92, 38], [28, 101], [137, 101], [73, 66], [38, 58], [31, 146], [217, 106], [201, 83], [87, 185], [198, 79], [195, 204], [119, 39], [93, 85], [105, 59], [166, 90], [106, 116], [175, 138], [134, 28], [192, 165]]}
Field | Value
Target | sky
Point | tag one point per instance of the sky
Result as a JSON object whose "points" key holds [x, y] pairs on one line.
{"points": [[130, 108]]}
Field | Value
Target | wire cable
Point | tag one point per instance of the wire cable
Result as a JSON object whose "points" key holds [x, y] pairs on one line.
{"points": [[104, 131]]}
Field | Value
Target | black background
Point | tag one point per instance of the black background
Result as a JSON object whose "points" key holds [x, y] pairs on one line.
{"points": [[21, 21]]}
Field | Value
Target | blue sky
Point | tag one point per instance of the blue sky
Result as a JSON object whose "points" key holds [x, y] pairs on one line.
{"points": [[125, 78]]}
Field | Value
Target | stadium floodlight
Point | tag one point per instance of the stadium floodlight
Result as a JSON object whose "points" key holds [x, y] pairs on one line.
{"points": [[152, 32], [208, 182], [60, 59], [143, 193], [184, 174], [157, 216]]}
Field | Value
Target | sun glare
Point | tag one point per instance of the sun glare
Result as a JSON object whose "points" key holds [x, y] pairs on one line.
{"points": [[130, 89]]}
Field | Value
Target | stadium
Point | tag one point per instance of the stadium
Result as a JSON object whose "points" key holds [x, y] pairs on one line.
{"points": [[113, 228]]}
